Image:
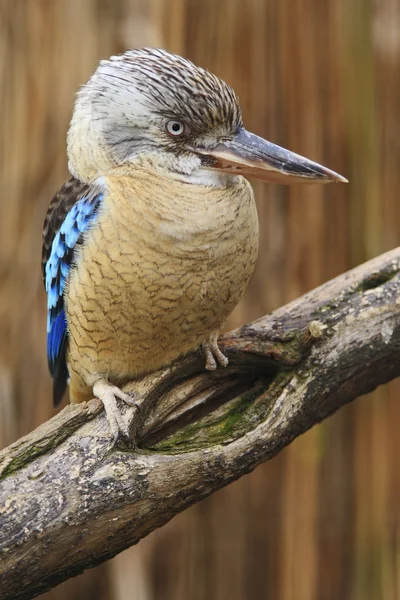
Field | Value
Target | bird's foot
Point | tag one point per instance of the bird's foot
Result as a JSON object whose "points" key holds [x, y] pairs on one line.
{"points": [[213, 354], [108, 393]]}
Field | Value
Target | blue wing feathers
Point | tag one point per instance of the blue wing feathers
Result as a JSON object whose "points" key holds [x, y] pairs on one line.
{"points": [[55, 338], [57, 268]]}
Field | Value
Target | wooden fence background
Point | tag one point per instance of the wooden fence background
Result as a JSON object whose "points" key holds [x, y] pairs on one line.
{"points": [[322, 77]]}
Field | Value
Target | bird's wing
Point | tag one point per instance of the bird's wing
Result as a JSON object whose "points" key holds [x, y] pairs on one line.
{"points": [[69, 216]]}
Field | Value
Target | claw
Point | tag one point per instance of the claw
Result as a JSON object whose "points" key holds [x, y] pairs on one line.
{"points": [[129, 399], [213, 354], [220, 356], [211, 364], [114, 440], [108, 393]]}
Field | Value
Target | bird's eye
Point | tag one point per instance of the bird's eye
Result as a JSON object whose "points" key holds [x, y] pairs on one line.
{"points": [[175, 128]]}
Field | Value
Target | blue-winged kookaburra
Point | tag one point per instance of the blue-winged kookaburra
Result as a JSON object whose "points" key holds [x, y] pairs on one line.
{"points": [[151, 243]]}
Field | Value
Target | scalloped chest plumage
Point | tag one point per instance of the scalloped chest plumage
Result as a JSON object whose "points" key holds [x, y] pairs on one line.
{"points": [[162, 267]]}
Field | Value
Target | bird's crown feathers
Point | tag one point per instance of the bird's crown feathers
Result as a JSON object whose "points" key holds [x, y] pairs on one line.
{"points": [[123, 112]]}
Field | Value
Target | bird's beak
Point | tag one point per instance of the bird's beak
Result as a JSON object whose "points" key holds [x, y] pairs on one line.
{"points": [[252, 156]]}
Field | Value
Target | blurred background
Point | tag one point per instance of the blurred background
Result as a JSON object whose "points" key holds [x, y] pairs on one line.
{"points": [[321, 77]]}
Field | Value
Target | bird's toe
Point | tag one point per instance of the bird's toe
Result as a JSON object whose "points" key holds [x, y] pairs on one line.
{"points": [[220, 356], [213, 355], [210, 365], [108, 393]]}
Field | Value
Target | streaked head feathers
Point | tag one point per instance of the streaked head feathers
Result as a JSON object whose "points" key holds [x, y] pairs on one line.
{"points": [[151, 107]]}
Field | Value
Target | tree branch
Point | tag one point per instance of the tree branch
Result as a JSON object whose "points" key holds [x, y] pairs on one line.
{"points": [[68, 501]]}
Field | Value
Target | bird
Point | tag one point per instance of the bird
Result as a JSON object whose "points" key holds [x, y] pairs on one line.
{"points": [[150, 244]]}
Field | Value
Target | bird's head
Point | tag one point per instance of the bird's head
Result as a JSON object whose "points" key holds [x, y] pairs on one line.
{"points": [[154, 107]]}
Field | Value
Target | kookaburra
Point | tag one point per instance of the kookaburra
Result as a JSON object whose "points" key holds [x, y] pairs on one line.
{"points": [[151, 243]]}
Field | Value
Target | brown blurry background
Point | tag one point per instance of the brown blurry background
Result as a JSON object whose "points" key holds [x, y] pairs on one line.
{"points": [[321, 77]]}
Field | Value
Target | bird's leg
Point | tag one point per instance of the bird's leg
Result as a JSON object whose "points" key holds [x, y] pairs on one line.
{"points": [[212, 353], [107, 393]]}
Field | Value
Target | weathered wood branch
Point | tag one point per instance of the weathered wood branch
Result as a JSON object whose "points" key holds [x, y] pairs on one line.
{"points": [[69, 501]]}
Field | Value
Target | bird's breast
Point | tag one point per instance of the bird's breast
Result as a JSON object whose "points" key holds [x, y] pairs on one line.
{"points": [[163, 266]]}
